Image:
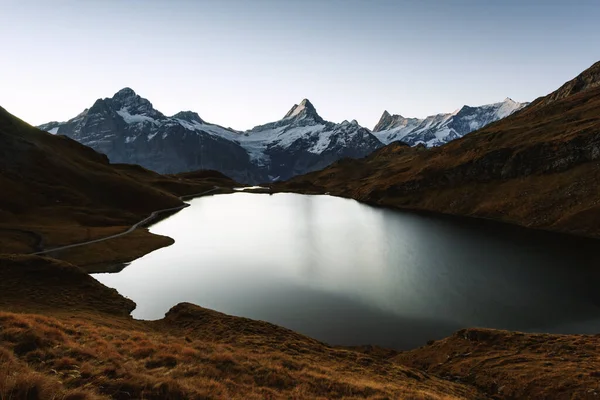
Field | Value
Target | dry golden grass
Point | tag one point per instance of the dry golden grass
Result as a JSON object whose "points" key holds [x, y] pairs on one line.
{"points": [[515, 365], [68, 335], [86, 341], [58, 356]]}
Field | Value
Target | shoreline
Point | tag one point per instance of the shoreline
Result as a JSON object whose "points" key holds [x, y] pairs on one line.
{"points": [[143, 223]]}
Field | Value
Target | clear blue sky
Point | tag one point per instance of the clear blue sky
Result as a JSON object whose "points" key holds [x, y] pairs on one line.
{"points": [[240, 63]]}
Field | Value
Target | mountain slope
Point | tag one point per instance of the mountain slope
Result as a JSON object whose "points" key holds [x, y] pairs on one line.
{"points": [[438, 129], [538, 168]]}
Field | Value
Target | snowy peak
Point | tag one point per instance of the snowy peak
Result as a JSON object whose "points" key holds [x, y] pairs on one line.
{"points": [[436, 130], [127, 128], [189, 116], [129, 104], [385, 122], [388, 121], [304, 110], [125, 93]]}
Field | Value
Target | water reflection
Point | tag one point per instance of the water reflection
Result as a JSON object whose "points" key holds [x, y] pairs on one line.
{"points": [[347, 273]]}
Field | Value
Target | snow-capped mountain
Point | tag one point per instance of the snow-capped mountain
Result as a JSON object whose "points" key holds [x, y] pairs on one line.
{"points": [[438, 129], [302, 142], [128, 129]]}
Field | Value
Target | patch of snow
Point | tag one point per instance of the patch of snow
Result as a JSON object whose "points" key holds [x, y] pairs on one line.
{"points": [[134, 119], [214, 130], [324, 140], [54, 131], [241, 189], [442, 133], [508, 107], [129, 139]]}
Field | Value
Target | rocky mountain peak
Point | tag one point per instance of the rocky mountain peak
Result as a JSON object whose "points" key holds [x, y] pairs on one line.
{"points": [[303, 110], [128, 102], [125, 93], [386, 121], [188, 116], [353, 123]]}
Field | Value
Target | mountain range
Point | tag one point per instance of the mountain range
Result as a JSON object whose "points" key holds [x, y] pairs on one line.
{"points": [[439, 129], [128, 129], [537, 167]]}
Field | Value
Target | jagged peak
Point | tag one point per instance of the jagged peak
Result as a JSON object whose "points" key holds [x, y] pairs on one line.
{"points": [[125, 93], [302, 110], [128, 101], [386, 121], [189, 116]]}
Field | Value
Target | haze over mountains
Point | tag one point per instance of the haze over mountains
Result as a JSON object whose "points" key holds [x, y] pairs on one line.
{"points": [[128, 129]]}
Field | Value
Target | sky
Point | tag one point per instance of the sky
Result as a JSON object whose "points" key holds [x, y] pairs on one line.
{"points": [[241, 63]]}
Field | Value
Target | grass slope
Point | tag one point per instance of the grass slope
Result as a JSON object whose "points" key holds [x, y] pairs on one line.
{"points": [[55, 191], [66, 336]]}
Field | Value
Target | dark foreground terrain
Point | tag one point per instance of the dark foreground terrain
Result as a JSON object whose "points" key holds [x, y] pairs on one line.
{"points": [[63, 335]]}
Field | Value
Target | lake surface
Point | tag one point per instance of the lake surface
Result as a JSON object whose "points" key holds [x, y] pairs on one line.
{"points": [[346, 273]]}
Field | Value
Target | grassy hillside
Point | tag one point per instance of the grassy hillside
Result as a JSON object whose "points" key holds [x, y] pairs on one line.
{"points": [[538, 168], [63, 335], [55, 191]]}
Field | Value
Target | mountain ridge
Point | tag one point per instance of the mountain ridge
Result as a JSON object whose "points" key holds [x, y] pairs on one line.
{"points": [[438, 129], [129, 129]]}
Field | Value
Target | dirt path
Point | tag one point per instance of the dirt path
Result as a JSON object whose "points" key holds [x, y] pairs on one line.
{"points": [[143, 222]]}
